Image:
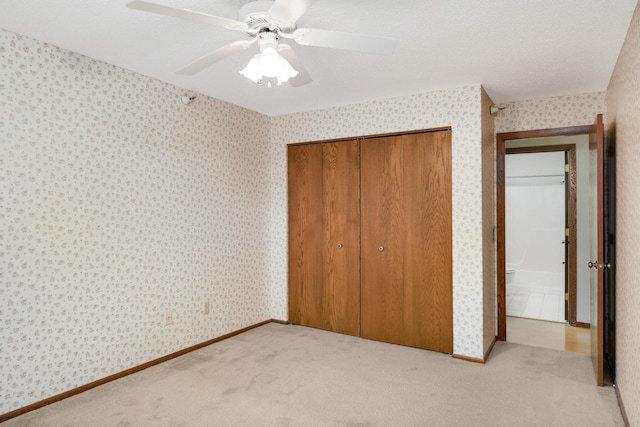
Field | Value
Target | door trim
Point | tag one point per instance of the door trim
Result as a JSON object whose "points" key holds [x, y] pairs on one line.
{"points": [[501, 153]]}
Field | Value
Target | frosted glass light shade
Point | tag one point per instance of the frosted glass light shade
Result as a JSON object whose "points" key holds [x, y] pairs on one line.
{"points": [[252, 70], [268, 63]]}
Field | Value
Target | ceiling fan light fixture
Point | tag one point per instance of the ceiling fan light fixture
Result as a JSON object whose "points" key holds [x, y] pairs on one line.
{"points": [[286, 72], [252, 70], [268, 63], [264, 21]]}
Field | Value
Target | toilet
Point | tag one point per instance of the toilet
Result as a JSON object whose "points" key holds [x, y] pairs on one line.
{"points": [[511, 272]]}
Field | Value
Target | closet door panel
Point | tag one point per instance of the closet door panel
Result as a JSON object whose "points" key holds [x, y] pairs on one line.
{"points": [[324, 236], [382, 261], [307, 303], [406, 240], [341, 201]]}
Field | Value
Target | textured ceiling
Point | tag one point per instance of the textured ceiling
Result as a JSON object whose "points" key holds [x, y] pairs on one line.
{"points": [[517, 49]]}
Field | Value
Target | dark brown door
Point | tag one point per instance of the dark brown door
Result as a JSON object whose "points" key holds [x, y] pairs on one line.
{"points": [[406, 240], [324, 236], [597, 263], [567, 229]]}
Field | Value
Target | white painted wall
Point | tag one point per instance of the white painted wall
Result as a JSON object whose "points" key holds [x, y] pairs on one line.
{"points": [[582, 200], [535, 224], [535, 212]]}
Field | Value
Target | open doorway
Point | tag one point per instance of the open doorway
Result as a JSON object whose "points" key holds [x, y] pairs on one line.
{"points": [[570, 144], [540, 219]]}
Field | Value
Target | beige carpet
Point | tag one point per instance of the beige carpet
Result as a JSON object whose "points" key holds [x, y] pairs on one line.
{"points": [[279, 375]]}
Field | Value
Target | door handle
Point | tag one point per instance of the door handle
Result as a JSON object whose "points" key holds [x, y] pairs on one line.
{"points": [[597, 265]]}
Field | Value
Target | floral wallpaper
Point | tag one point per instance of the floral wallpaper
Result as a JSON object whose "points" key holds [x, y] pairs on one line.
{"points": [[119, 204], [459, 109], [488, 223], [623, 105], [546, 113]]}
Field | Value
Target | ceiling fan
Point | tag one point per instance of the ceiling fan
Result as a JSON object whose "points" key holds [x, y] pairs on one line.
{"points": [[266, 22]]}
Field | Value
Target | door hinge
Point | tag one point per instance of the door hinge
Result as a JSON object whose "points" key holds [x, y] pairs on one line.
{"points": [[566, 232], [566, 168], [566, 296]]}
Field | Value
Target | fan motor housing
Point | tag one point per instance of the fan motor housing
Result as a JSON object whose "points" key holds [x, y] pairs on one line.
{"points": [[256, 16]]}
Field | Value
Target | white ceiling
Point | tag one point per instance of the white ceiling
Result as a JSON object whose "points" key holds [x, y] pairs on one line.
{"points": [[517, 49]]}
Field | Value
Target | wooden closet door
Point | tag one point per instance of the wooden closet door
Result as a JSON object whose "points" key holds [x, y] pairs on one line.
{"points": [[406, 240], [324, 236]]}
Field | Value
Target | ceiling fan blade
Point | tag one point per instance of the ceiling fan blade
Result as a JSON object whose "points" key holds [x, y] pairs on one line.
{"points": [[347, 41], [303, 76], [188, 15], [215, 56], [289, 10]]}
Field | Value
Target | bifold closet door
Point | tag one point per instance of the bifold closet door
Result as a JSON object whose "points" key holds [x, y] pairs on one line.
{"points": [[406, 240], [324, 236]]}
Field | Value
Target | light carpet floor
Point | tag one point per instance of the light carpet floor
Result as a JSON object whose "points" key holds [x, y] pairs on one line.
{"points": [[283, 375]]}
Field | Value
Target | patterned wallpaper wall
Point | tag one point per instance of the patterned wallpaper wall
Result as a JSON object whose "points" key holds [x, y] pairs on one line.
{"points": [[119, 203], [461, 110], [623, 105], [561, 111], [488, 223]]}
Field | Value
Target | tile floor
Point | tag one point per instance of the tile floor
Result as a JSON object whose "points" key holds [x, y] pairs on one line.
{"points": [[533, 305]]}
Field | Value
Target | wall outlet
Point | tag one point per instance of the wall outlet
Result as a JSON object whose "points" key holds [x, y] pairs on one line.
{"points": [[207, 307], [168, 318]]}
